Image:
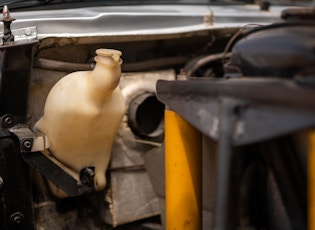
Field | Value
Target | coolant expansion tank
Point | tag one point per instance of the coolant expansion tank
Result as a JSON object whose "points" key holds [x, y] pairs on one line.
{"points": [[82, 114]]}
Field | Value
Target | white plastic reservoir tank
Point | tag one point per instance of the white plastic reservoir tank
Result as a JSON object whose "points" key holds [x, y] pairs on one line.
{"points": [[81, 117]]}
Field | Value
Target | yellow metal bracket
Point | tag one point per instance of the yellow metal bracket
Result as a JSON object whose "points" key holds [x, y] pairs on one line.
{"points": [[183, 166]]}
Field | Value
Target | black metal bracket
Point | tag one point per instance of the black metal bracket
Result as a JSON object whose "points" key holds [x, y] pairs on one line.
{"points": [[16, 208], [16, 203], [49, 169]]}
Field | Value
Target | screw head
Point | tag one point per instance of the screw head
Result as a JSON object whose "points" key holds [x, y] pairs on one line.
{"points": [[27, 144], [7, 121]]}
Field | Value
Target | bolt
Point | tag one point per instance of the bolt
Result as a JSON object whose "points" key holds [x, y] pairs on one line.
{"points": [[264, 6], [27, 144], [7, 20], [17, 218], [8, 121], [208, 19], [86, 176], [28, 32]]}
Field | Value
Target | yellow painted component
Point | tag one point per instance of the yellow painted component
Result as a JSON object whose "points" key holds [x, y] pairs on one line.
{"points": [[183, 171], [311, 182]]}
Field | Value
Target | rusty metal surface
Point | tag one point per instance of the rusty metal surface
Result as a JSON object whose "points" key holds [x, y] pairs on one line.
{"points": [[128, 149], [283, 106], [51, 216], [131, 197], [298, 14], [24, 34]]}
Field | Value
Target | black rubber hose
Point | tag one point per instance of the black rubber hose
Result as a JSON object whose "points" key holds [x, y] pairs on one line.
{"points": [[126, 67]]}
